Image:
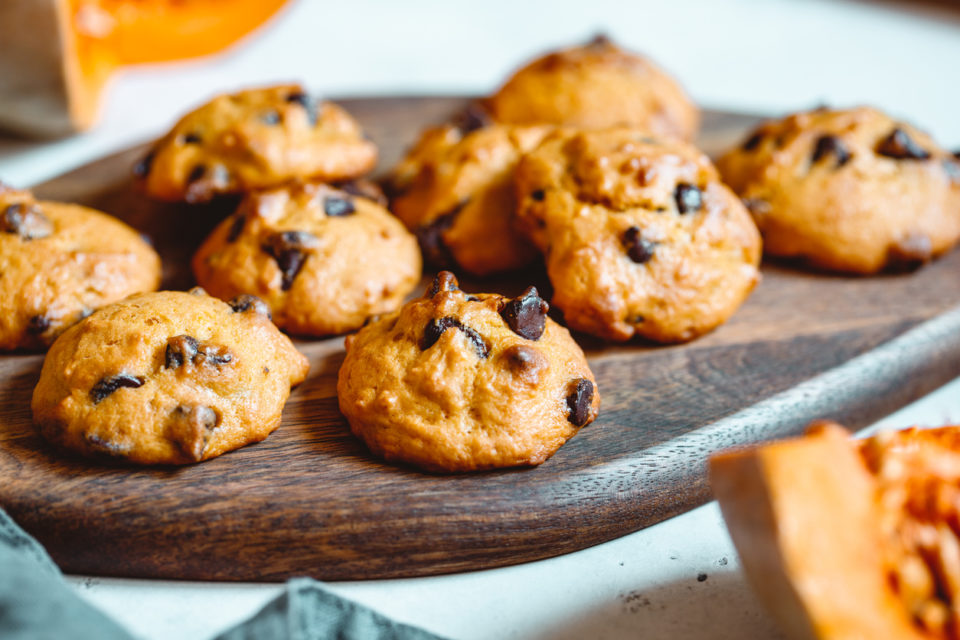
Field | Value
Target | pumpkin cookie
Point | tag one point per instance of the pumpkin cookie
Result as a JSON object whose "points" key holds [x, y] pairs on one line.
{"points": [[640, 236], [595, 86], [167, 378], [59, 262], [455, 191], [850, 190], [255, 139], [322, 259], [457, 382]]}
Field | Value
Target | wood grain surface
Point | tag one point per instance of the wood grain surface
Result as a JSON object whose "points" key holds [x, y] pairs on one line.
{"points": [[310, 500]]}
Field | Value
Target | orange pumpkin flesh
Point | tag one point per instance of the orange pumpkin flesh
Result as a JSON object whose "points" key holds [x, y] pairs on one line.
{"points": [[845, 539], [60, 53]]}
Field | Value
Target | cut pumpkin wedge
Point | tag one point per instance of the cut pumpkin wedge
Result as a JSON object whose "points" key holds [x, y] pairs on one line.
{"points": [[847, 539], [58, 54]]}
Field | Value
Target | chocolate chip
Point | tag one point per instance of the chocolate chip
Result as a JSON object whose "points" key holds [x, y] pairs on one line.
{"points": [[538, 195], [526, 315], [831, 146], [437, 326], [580, 402], [180, 349], [26, 221], [525, 362], [246, 302], [701, 577], [900, 146], [192, 138], [38, 324], [639, 249], [104, 446], [445, 281], [183, 349], [752, 142], [472, 118], [142, 168], [270, 118], [688, 197], [190, 428], [600, 40], [288, 248], [236, 228], [430, 237], [334, 206], [196, 173], [108, 385], [308, 104]]}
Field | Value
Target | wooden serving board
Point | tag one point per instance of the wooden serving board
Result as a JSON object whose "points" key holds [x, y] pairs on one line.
{"points": [[311, 500]]}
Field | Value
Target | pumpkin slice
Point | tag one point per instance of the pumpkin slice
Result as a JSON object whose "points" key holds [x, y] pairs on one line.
{"points": [[58, 54], [847, 539]]}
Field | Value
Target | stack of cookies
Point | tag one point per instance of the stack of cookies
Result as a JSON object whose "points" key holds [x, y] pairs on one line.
{"points": [[583, 159]]}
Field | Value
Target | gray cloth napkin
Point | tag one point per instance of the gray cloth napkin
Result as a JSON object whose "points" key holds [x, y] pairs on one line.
{"points": [[36, 604]]}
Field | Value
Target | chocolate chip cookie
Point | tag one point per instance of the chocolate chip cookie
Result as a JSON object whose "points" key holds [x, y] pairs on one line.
{"points": [[640, 236], [455, 191], [254, 139], [167, 378], [59, 262], [322, 259], [457, 382], [594, 86], [848, 190]]}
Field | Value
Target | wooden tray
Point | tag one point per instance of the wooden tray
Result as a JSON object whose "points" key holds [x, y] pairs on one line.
{"points": [[311, 500]]}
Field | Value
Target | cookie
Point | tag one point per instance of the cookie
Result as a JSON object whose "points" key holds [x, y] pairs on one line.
{"points": [[455, 191], [597, 85], [322, 259], [640, 236], [456, 382], [848, 190], [255, 139], [167, 378], [59, 262]]}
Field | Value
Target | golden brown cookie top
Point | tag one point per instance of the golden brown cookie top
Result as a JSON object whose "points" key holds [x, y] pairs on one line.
{"points": [[254, 139], [461, 382], [167, 378], [455, 191], [323, 259], [596, 85], [853, 190], [640, 236], [59, 262]]}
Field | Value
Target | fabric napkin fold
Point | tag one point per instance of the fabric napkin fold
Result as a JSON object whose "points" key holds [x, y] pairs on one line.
{"points": [[36, 604]]}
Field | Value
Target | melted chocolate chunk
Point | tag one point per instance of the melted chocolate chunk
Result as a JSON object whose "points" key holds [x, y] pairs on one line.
{"points": [[900, 146], [183, 349], [579, 402], [639, 249], [142, 168], [246, 302], [197, 173], [213, 355], [538, 195], [236, 227], [689, 198], [190, 427], [430, 236], [288, 248], [335, 207], [472, 118], [831, 146], [308, 103], [192, 138], [526, 315], [445, 281], [752, 142], [437, 326], [108, 385], [38, 324], [26, 221]]}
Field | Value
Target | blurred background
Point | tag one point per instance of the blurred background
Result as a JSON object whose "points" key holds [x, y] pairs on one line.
{"points": [[758, 56]]}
